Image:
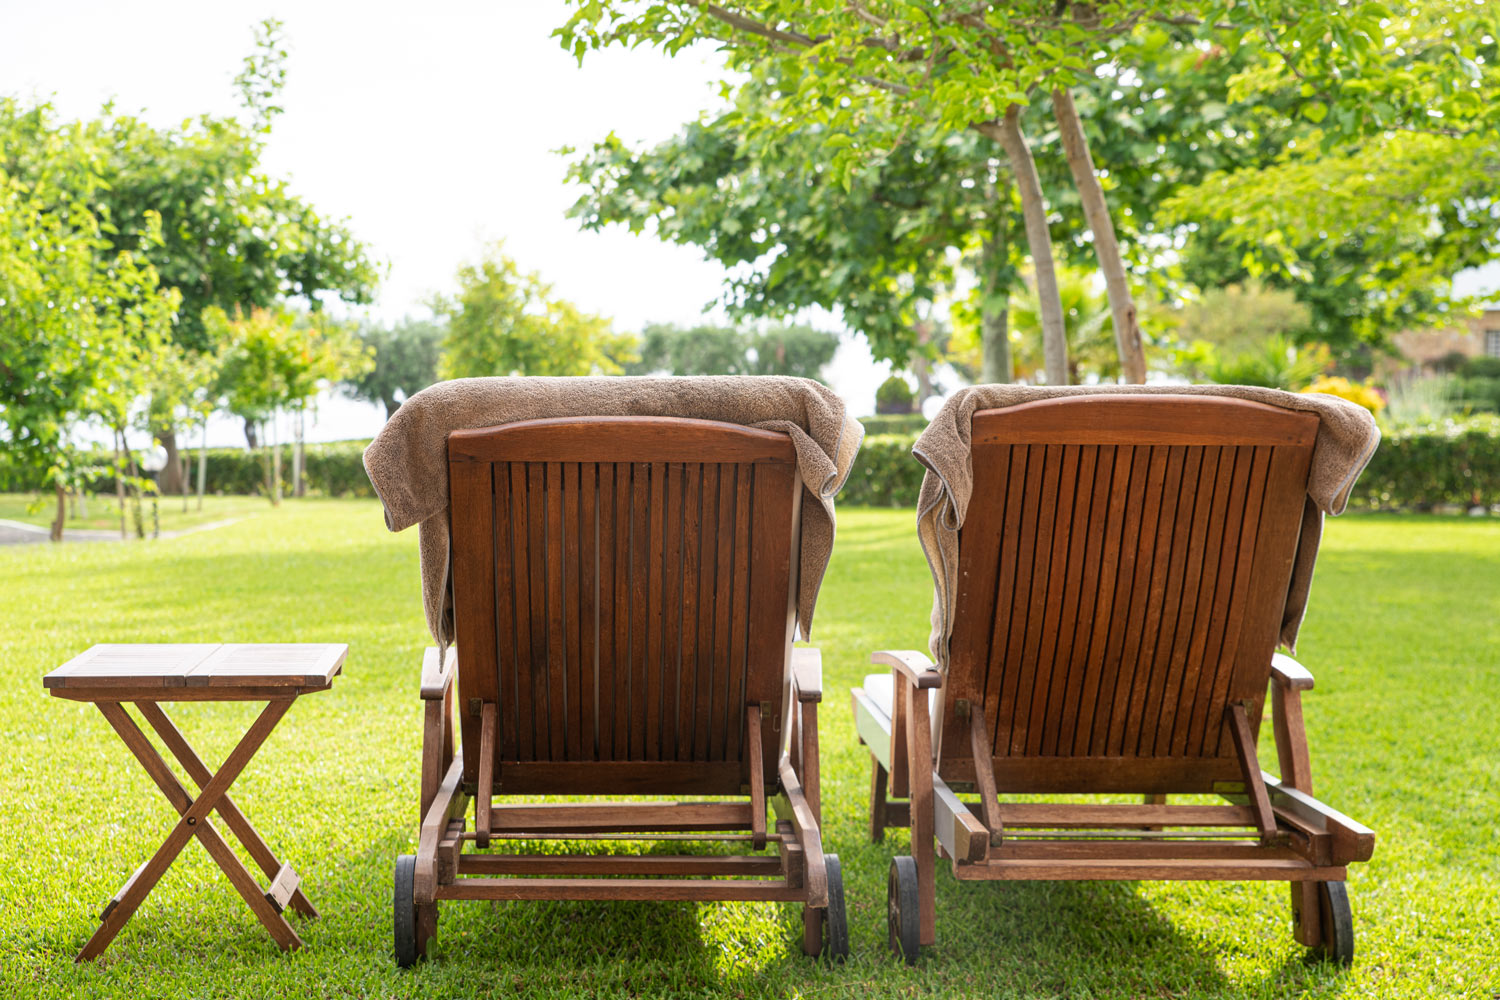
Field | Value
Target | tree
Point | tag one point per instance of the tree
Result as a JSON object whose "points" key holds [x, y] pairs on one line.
{"points": [[1363, 69], [1089, 326], [406, 361], [231, 236], [504, 322], [76, 316], [800, 351], [279, 360]]}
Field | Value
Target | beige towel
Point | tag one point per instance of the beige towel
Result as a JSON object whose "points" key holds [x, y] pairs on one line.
{"points": [[1347, 437], [408, 460]]}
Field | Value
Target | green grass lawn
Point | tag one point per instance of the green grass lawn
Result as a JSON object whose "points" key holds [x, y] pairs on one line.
{"points": [[1403, 636], [104, 512]]}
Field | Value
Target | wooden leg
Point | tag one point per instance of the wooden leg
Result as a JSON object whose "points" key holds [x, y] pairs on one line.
{"points": [[259, 851], [194, 821], [919, 770], [878, 778], [812, 930], [1307, 923]]}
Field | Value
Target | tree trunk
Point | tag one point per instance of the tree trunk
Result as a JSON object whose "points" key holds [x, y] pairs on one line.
{"points": [[921, 365], [299, 482], [203, 463], [62, 512], [391, 406], [171, 474], [1038, 239], [275, 466], [252, 434], [995, 366], [1106, 246], [119, 473]]}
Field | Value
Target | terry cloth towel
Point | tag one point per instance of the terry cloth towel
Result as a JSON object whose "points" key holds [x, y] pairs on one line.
{"points": [[408, 461], [1347, 437]]}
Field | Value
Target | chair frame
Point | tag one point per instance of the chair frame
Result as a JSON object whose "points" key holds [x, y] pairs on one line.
{"points": [[783, 684], [1273, 828]]}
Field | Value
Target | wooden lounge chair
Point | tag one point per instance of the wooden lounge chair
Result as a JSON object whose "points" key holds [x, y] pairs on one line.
{"points": [[624, 599], [1122, 572]]}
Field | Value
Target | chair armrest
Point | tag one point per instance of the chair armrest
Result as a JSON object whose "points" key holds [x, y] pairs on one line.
{"points": [[1289, 673], [437, 676], [807, 673], [917, 667]]}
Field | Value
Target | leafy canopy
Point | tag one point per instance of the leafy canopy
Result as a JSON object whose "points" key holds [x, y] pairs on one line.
{"points": [[504, 322], [799, 351]]}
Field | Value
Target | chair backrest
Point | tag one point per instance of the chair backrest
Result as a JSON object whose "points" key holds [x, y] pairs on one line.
{"points": [[623, 589], [1123, 570]]}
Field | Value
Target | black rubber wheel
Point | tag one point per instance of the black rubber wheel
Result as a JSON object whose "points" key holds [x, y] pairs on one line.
{"points": [[405, 908], [1337, 921], [835, 919], [903, 909]]}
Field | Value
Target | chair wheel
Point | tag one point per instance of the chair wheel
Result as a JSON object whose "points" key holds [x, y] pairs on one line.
{"points": [[835, 920], [903, 911], [1337, 922], [405, 908]]}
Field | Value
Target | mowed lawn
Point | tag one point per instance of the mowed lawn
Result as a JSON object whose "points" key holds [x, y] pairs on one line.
{"points": [[1403, 636]]}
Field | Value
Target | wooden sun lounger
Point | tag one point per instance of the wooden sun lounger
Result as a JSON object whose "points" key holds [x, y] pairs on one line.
{"points": [[1122, 573], [624, 594]]}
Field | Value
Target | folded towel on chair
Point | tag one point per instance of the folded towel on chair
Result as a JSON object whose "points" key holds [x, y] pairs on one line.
{"points": [[408, 461], [1347, 437]]}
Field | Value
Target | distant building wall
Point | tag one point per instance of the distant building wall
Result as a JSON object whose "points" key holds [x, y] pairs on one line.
{"points": [[1428, 348]]}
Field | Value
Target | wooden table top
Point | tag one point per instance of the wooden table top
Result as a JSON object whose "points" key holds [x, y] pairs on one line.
{"points": [[231, 668]]}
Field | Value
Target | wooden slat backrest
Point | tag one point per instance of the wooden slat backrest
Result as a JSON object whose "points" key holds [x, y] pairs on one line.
{"points": [[623, 588], [1123, 568]]}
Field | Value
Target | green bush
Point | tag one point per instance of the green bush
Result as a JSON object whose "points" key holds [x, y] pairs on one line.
{"points": [[1478, 392], [334, 469], [895, 395], [885, 474], [1449, 462], [1483, 366], [894, 423]]}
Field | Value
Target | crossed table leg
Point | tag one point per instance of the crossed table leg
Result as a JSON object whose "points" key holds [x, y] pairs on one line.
{"points": [[267, 904]]}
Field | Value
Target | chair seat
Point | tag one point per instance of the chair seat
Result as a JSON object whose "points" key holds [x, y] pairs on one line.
{"points": [[881, 692]]}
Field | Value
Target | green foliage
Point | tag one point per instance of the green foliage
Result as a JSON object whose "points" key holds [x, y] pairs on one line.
{"points": [[406, 362], [1482, 366], [1090, 330], [1478, 393], [893, 423], [80, 320], [895, 395], [799, 351], [884, 473], [278, 360], [1241, 317], [1444, 462], [1418, 402], [1276, 363], [1341, 150], [503, 322]]}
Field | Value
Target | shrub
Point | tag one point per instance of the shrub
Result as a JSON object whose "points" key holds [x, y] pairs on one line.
{"points": [[1361, 393], [895, 395], [894, 423], [885, 474], [1416, 468], [1482, 366]]}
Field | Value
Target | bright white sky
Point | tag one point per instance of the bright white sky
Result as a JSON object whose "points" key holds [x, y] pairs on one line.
{"points": [[430, 126]]}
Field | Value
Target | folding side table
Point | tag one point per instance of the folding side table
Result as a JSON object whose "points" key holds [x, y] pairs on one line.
{"points": [[147, 675]]}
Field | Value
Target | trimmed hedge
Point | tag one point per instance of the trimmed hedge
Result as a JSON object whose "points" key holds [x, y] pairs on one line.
{"points": [[1452, 462], [894, 423], [1455, 462], [333, 469]]}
